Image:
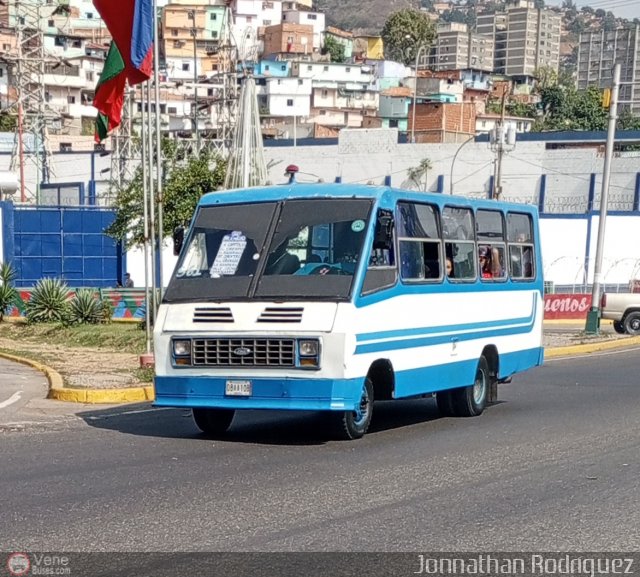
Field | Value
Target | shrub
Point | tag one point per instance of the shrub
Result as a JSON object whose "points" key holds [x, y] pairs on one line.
{"points": [[85, 307], [48, 302], [8, 293], [107, 310]]}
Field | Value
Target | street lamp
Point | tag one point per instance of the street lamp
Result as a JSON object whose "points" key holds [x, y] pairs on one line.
{"points": [[194, 34], [415, 93]]}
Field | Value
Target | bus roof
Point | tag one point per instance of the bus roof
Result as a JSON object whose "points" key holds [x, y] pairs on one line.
{"points": [[341, 190]]}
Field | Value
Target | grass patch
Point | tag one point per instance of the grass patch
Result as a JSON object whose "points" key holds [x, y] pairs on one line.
{"points": [[119, 337]]}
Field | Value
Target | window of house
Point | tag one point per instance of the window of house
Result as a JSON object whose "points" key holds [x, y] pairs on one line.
{"points": [[326, 69], [347, 69], [174, 32], [71, 99], [172, 110], [89, 76], [325, 93], [300, 81], [51, 23], [266, 67], [214, 66], [312, 16], [249, 19], [289, 101], [163, 109], [186, 67], [213, 16], [266, 22], [309, 68], [89, 15], [283, 67]]}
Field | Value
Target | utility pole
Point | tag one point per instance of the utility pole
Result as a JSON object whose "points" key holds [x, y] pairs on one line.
{"points": [[415, 94], [500, 138], [593, 316], [194, 35]]}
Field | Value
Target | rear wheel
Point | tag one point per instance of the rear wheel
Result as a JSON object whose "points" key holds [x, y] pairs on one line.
{"points": [[213, 421], [350, 425], [471, 401], [632, 323], [618, 327]]}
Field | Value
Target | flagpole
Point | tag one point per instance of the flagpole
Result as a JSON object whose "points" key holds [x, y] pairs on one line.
{"points": [[152, 209], [159, 185], [145, 216]]}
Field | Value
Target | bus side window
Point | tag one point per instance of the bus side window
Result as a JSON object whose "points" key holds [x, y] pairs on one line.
{"points": [[381, 271], [521, 247], [460, 246], [419, 241]]}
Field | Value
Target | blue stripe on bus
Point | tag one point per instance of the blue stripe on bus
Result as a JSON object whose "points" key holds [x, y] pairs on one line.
{"points": [[396, 339]]}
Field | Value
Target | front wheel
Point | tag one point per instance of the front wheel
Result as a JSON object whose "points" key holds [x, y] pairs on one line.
{"points": [[213, 421], [471, 401], [632, 323], [350, 425], [619, 327]]}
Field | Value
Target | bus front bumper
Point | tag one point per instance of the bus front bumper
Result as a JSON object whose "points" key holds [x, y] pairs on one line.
{"points": [[276, 394]]}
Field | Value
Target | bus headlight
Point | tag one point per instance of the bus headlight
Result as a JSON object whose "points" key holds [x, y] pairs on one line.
{"points": [[182, 348], [309, 348], [309, 354]]}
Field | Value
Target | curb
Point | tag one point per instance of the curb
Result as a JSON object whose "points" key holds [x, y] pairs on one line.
{"points": [[591, 347], [59, 392]]}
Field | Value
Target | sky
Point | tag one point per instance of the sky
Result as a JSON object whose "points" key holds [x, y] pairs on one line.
{"points": [[621, 8]]}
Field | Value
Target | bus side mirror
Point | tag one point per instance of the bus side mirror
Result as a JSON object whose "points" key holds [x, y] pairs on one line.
{"points": [[178, 239], [383, 236]]}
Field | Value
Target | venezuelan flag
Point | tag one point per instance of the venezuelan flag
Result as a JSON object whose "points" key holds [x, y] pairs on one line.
{"points": [[130, 57]]}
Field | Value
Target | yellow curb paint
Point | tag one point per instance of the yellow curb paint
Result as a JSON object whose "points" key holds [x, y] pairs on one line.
{"points": [[590, 347], [59, 392]]}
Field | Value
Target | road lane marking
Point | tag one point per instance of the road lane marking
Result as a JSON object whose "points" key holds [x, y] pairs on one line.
{"points": [[12, 399], [591, 355]]}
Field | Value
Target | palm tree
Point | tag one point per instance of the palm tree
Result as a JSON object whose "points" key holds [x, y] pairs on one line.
{"points": [[420, 172]]}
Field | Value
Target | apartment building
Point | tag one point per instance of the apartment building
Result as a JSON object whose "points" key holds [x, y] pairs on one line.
{"points": [[456, 47], [314, 19], [525, 38], [288, 40], [597, 54]]}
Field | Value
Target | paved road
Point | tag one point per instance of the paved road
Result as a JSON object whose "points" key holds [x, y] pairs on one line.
{"points": [[553, 467]]}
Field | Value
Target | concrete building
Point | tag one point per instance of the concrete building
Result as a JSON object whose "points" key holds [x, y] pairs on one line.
{"points": [[314, 19], [599, 51], [526, 38], [456, 47], [485, 123]]}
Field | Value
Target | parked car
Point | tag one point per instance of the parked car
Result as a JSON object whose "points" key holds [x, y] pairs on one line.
{"points": [[624, 310]]}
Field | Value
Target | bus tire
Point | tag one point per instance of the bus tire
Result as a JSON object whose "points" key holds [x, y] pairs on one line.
{"points": [[351, 425], [213, 421], [619, 327], [632, 323], [471, 401], [444, 401]]}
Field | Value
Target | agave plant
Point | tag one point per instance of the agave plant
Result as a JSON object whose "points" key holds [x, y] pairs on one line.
{"points": [[48, 302], [8, 293], [85, 307]]}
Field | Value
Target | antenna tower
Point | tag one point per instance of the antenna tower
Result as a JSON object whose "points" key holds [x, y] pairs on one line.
{"points": [[35, 116]]}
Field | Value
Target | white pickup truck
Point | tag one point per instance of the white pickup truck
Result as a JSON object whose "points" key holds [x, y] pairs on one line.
{"points": [[624, 310]]}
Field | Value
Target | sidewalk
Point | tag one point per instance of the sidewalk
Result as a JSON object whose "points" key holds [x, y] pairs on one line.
{"points": [[560, 339]]}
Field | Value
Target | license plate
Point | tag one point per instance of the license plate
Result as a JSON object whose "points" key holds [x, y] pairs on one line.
{"points": [[238, 389]]}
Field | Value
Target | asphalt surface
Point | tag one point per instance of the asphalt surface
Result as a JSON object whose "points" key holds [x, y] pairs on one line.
{"points": [[554, 466]]}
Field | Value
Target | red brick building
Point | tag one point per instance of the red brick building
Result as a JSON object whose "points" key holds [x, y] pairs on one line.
{"points": [[443, 121]]}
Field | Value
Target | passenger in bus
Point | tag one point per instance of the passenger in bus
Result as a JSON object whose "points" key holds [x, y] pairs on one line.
{"points": [[449, 268], [497, 268], [484, 259]]}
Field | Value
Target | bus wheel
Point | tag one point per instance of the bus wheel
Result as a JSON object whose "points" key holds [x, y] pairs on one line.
{"points": [[213, 421], [618, 327], [352, 425], [471, 401]]}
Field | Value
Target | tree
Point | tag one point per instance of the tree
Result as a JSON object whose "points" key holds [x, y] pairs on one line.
{"points": [[183, 188], [334, 48], [404, 32], [8, 122], [420, 172]]}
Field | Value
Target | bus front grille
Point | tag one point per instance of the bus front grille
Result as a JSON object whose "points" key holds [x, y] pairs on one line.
{"points": [[244, 352]]}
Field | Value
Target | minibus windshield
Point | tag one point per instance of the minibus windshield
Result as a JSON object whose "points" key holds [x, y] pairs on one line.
{"points": [[293, 249]]}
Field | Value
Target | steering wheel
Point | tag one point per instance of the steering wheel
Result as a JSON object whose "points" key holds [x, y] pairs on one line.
{"points": [[325, 269]]}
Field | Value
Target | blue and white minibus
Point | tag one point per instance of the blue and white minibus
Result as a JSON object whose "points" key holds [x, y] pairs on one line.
{"points": [[326, 297]]}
